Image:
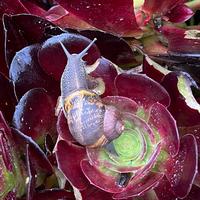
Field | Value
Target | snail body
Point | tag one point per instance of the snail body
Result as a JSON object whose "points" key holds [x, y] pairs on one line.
{"points": [[82, 107]]}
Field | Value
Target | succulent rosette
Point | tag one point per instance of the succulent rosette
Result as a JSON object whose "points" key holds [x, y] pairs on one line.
{"points": [[147, 152], [151, 116]]}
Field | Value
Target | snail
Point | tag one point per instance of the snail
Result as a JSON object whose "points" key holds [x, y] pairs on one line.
{"points": [[90, 122]]}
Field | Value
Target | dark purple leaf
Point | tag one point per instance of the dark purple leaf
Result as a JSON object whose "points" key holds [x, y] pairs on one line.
{"points": [[69, 157], [107, 72], [195, 131], [93, 193], [44, 4], [181, 62], [139, 188], [179, 14], [33, 8], [162, 121], [7, 98], [31, 175], [123, 104], [62, 18], [20, 34], [9, 7], [182, 169], [151, 71], [52, 58], [3, 65], [5, 152], [194, 193], [38, 157], [143, 90], [122, 54], [164, 190], [63, 129], [149, 195], [154, 6], [34, 115], [53, 194], [26, 73], [182, 41], [4, 126], [117, 17]]}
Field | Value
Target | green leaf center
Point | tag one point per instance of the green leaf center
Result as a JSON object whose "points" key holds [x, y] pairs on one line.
{"points": [[128, 145]]}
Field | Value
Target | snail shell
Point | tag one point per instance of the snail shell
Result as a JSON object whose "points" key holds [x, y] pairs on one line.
{"points": [[85, 115]]}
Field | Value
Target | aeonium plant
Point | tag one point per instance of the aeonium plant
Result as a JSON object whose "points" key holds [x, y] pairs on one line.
{"points": [[141, 125], [137, 150]]}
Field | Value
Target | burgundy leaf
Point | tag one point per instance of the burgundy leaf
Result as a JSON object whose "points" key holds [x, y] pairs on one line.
{"points": [[55, 13], [34, 115], [193, 130], [33, 8], [149, 195], [41, 3], [139, 188], [5, 152], [53, 194], [4, 126], [9, 7], [164, 190], [103, 181], [62, 18], [183, 114], [117, 17], [143, 90], [52, 58], [182, 41], [31, 175], [154, 6], [163, 122], [122, 54], [63, 129], [7, 98], [194, 193], [69, 157], [20, 34], [38, 157], [182, 169], [93, 193], [106, 71], [151, 71], [179, 14], [123, 104], [181, 62], [26, 73]]}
